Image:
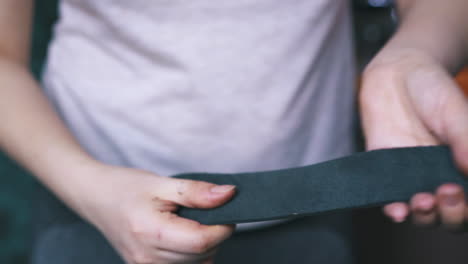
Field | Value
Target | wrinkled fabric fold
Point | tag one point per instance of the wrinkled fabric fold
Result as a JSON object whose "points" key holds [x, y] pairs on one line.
{"points": [[364, 179]]}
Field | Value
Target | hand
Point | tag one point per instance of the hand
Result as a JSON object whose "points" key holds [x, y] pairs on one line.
{"points": [[135, 210], [408, 99]]}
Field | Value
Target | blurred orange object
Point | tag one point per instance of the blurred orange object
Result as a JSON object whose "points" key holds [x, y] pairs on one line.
{"points": [[462, 80]]}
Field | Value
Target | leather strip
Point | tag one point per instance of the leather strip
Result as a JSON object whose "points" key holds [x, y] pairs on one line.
{"points": [[361, 180]]}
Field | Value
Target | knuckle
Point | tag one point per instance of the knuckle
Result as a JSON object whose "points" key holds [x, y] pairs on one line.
{"points": [[138, 230], [200, 245], [140, 258], [158, 235], [374, 77], [181, 187], [137, 256], [190, 193], [374, 71], [184, 188]]}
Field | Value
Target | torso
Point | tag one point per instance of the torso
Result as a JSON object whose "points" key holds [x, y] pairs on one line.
{"points": [[174, 85]]}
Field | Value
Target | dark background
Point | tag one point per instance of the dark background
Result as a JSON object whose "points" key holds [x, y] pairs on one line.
{"points": [[378, 241]]}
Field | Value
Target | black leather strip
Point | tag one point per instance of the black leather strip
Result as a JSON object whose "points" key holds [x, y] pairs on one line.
{"points": [[360, 180]]}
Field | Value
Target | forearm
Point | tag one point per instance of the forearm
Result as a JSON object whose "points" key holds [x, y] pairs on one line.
{"points": [[435, 28], [32, 133]]}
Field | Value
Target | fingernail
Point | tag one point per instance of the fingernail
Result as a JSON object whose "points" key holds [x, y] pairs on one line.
{"points": [[451, 200], [424, 206], [222, 188]]}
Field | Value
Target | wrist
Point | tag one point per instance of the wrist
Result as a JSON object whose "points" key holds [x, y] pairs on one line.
{"points": [[399, 61], [388, 79], [436, 29], [74, 180], [97, 189], [442, 46]]}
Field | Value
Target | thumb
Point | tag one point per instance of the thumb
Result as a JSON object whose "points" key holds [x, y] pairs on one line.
{"points": [[194, 194], [455, 129]]}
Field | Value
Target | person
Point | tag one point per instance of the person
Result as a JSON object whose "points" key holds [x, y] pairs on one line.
{"points": [[135, 91]]}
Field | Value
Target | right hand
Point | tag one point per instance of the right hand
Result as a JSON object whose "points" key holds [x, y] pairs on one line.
{"points": [[135, 210]]}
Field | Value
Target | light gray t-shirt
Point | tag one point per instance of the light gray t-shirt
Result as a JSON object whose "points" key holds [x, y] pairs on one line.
{"points": [[176, 86]]}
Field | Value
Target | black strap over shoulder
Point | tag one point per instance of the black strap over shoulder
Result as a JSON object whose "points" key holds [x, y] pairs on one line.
{"points": [[360, 180]]}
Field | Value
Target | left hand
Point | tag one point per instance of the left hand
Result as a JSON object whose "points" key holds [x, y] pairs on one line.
{"points": [[408, 99]]}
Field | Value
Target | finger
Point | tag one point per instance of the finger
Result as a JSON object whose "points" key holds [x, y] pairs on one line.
{"points": [[452, 123], [187, 236], [451, 206], [177, 257], [457, 133], [397, 211], [195, 194], [210, 252], [423, 209]]}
